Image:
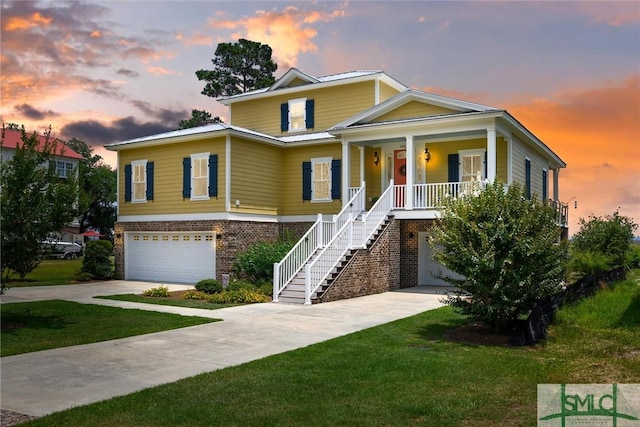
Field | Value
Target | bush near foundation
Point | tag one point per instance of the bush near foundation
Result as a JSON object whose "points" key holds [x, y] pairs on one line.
{"points": [[209, 286], [97, 259]]}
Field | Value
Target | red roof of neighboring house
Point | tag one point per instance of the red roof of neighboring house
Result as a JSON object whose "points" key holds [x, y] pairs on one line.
{"points": [[12, 137]]}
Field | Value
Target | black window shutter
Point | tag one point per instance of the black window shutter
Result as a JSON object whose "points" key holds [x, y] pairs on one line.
{"points": [[186, 178], [527, 176], [545, 190], [486, 165], [309, 121], [127, 183], [306, 180], [284, 117], [454, 174], [149, 180], [336, 179], [213, 175]]}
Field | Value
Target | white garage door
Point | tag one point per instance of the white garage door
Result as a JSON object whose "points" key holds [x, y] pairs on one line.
{"points": [[427, 266], [180, 257]]}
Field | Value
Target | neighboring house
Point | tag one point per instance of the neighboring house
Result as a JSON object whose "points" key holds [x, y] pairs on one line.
{"points": [[67, 161], [357, 161]]}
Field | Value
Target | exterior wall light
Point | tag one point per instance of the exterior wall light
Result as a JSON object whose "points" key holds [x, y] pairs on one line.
{"points": [[376, 158], [427, 155]]}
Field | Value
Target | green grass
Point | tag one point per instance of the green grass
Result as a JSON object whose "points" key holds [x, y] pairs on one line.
{"points": [[50, 272], [401, 373], [166, 301], [34, 326]]}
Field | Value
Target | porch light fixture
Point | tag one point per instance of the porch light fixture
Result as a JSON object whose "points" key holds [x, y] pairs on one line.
{"points": [[427, 155], [376, 158]]}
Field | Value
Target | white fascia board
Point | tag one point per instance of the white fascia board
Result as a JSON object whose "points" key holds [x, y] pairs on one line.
{"points": [[541, 146], [290, 75], [290, 90]]}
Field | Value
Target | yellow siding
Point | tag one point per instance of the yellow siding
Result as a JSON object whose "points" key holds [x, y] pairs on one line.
{"points": [[168, 178], [354, 180], [372, 173], [386, 91], [297, 82], [438, 167], [413, 109], [255, 177], [291, 186], [332, 106]]}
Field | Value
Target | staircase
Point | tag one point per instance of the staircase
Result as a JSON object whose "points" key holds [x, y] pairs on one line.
{"points": [[318, 258]]}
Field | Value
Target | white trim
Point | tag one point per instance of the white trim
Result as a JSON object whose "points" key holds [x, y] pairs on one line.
{"points": [[314, 161], [134, 164], [205, 157], [474, 152], [291, 103]]}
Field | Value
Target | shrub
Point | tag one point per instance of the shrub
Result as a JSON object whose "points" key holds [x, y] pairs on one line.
{"points": [[633, 257], [239, 296], [256, 264], [505, 247], [209, 286], [610, 235], [82, 276], [194, 295], [160, 291], [240, 284], [97, 259], [585, 263], [266, 288]]}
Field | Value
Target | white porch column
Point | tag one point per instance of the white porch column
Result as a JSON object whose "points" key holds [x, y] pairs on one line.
{"points": [[556, 191], [346, 164], [361, 150], [411, 167], [491, 154]]}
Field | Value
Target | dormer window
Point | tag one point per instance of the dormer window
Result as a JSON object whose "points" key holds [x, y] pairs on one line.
{"points": [[297, 115]]}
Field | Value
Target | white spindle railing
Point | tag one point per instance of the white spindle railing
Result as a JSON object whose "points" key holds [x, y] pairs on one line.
{"points": [[376, 215], [318, 269], [430, 196]]}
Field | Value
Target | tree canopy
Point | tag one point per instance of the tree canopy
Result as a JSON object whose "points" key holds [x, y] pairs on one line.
{"points": [[238, 67], [198, 118], [34, 202], [506, 246]]}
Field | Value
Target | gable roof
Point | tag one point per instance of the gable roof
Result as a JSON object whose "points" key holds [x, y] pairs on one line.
{"points": [[281, 85], [13, 137], [410, 95]]}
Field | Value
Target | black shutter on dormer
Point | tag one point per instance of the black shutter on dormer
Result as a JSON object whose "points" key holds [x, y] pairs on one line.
{"points": [[149, 181], [186, 178], [284, 117], [127, 183]]}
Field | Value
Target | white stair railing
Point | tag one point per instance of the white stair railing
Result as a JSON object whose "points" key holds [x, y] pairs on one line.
{"points": [[372, 220], [318, 236]]}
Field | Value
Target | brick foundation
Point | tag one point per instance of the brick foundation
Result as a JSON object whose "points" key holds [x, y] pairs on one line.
{"points": [[235, 237], [370, 271]]}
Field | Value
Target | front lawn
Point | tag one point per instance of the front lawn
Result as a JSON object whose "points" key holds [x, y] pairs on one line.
{"points": [[34, 326], [401, 373], [50, 272]]}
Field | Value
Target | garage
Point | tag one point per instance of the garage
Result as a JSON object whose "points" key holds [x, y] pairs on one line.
{"points": [[171, 257], [427, 266]]}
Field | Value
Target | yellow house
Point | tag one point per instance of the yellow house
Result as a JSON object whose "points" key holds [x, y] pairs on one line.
{"points": [[354, 163]]}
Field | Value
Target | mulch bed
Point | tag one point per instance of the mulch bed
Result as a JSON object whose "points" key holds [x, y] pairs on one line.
{"points": [[477, 333]]}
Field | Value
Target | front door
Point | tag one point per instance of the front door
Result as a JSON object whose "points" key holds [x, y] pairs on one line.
{"points": [[400, 176]]}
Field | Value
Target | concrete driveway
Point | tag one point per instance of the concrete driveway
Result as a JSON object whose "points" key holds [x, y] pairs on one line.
{"points": [[48, 381]]}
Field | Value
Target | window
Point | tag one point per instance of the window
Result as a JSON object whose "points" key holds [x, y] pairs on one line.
{"points": [[297, 115], [64, 169], [139, 181], [200, 176], [472, 165], [321, 179]]}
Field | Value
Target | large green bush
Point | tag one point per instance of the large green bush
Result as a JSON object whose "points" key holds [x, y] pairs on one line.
{"points": [[506, 246], [209, 286], [256, 264], [97, 259], [610, 236]]}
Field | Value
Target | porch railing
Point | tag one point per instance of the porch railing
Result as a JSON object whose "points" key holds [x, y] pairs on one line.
{"points": [[430, 196], [375, 216], [562, 212], [318, 236]]}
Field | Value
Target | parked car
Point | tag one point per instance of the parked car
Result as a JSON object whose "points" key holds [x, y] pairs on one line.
{"points": [[66, 250]]}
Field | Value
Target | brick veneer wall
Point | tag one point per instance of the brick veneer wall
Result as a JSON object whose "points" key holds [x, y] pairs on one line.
{"points": [[235, 237], [409, 250], [370, 271]]}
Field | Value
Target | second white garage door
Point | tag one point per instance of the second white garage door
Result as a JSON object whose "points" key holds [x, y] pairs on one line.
{"points": [[179, 257]]}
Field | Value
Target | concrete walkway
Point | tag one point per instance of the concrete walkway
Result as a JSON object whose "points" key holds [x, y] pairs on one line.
{"points": [[48, 381]]}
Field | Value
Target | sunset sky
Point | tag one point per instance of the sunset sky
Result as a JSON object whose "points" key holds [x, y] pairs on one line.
{"points": [[108, 71]]}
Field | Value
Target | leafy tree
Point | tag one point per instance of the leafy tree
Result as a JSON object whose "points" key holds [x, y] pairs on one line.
{"points": [[610, 236], [98, 188], [506, 248], [34, 202], [198, 118], [238, 68], [97, 261]]}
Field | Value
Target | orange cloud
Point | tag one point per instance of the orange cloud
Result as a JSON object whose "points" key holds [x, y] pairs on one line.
{"points": [[195, 39], [597, 132], [288, 32], [161, 71], [23, 23], [95, 34]]}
